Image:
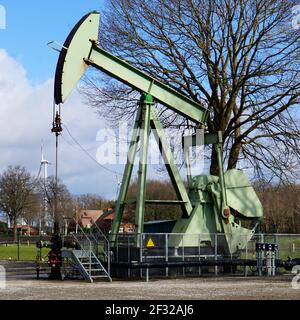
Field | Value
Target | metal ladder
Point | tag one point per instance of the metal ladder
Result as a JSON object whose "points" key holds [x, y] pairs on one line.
{"points": [[85, 259]]}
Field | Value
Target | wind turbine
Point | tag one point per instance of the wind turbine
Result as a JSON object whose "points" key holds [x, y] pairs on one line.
{"points": [[44, 166]]}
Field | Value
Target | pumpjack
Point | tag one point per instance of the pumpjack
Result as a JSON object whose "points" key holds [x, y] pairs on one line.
{"points": [[225, 204]]}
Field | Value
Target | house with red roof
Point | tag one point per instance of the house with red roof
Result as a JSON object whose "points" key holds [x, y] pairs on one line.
{"points": [[105, 222]]}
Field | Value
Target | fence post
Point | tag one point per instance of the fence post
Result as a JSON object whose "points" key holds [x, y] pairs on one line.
{"points": [[129, 255], [128, 249], [246, 267], [108, 257], [18, 245], [199, 252], [183, 269], [141, 247], [141, 254], [90, 265], [261, 238], [216, 253], [277, 242], [167, 252], [117, 246], [147, 274], [183, 248]]}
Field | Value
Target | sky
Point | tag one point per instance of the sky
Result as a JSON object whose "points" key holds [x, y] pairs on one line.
{"points": [[27, 67], [31, 24]]}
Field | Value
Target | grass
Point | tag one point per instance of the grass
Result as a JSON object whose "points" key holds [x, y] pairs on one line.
{"points": [[27, 253], [289, 246]]}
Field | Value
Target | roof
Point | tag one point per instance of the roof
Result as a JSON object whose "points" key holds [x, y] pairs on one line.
{"points": [[24, 227], [87, 215], [110, 214]]}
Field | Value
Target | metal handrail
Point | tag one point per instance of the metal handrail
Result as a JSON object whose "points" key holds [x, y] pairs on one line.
{"points": [[88, 252], [100, 231], [90, 246], [107, 254], [102, 235]]}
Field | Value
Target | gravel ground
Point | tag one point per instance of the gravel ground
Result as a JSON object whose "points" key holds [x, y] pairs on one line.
{"points": [[25, 287]]}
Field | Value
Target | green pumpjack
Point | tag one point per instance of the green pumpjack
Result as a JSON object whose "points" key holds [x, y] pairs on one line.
{"points": [[226, 203]]}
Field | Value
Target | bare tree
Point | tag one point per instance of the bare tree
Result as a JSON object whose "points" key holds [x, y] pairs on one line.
{"points": [[281, 207], [31, 213], [238, 58], [16, 191], [64, 198], [157, 190], [92, 202]]}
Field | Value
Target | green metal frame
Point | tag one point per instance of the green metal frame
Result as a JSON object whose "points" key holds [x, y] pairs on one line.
{"points": [[146, 104], [215, 139], [127, 176], [207, 206], [142, 82], [171, 166], [146, 121]]}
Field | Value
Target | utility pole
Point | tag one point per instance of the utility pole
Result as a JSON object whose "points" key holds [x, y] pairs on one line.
{"points": [[55, 257]]}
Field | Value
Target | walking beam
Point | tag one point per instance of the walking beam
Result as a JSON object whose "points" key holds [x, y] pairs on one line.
{"points": [[81, 51]]}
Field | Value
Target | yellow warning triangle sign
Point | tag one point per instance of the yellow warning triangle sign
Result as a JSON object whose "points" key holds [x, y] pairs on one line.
{"points": [[150, 244]]}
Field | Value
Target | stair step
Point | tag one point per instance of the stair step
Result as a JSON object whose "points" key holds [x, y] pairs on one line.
{"points": [[89, 265], [96, 270], [88, 259]]}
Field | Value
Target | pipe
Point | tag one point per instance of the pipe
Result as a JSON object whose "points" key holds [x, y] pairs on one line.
{"points": [[288, 265], [204, 263]]}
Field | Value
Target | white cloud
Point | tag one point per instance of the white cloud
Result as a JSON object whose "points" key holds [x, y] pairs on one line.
{"points": [[26, 118]]}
